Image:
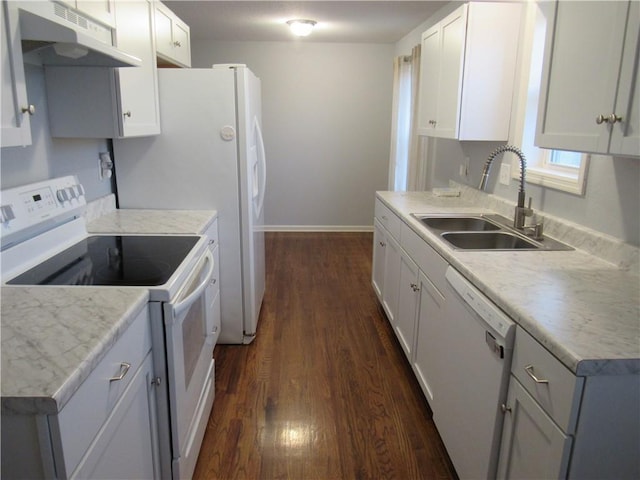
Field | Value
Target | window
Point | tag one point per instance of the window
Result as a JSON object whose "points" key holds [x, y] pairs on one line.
{"points": [[561, 170]]}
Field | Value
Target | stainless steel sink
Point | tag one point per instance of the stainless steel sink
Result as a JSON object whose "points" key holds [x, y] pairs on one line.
{"points": [[459, 224], [489, 241], [488, 232]]}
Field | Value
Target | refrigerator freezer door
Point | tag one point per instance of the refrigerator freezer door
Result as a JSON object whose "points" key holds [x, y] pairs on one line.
{"points": [[252, 186]]}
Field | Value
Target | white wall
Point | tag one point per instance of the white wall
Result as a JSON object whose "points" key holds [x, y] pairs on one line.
{"points": [[47, 157], [326, 111], [612, 197]]}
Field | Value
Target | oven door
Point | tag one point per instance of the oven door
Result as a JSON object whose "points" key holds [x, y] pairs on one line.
{"points": [[189, 342]]}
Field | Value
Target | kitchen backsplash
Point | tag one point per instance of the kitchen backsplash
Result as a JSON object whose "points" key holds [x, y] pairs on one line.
{"points": [[99, 207]]}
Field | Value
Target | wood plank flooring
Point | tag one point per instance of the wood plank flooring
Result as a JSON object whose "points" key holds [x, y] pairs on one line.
{"points": [[324, 391]]}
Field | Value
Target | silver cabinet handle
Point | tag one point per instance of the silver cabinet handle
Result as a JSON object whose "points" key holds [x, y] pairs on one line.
{"points": [[124, 368], [529, 370], [600, 119], [127, 113], [31, 109], [382, 244], [505, 408], [415, 287], [177, 43], [156, 381]]}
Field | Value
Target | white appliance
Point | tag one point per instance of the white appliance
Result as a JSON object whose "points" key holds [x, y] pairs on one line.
{"points": [[45, 242], [468, 405], [210, 155]]}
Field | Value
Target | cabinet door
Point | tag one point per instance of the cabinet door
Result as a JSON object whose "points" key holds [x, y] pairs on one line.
{"points": [[429, 75], [173, 44], [391, 278], [16, 126], [408, 296], [452, 46], [428, 362], [377, 269], [101, 10], [139, 109], [127, 444], [533, 446], [580, 72], [625, 135]]}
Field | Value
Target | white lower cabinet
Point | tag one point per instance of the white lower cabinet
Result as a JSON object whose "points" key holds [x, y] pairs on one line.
{"points": [[533, 446], [428, 361], [408, 297], [385, 274], [126, 446], [559, 425], [107, 429]]}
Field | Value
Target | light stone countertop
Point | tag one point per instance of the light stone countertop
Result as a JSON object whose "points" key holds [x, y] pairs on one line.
{"points": [[53, 338], [583, 309], [153, 221]]}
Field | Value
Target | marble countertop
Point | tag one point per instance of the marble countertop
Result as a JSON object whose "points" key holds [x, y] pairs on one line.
{"points": [[153, 221], [53, 337], [583, 309]]}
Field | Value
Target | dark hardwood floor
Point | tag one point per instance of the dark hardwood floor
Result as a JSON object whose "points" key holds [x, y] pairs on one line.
{"points": [[324, 391]]}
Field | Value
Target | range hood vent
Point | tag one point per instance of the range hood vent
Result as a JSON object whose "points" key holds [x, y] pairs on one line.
{"points": [[60, 36]]}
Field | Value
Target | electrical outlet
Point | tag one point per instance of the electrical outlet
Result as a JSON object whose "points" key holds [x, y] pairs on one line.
{"points": [[505, 174], [463, 170]]}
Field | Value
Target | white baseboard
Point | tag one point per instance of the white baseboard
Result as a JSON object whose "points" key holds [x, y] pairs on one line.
{"points": [[318, 228]]}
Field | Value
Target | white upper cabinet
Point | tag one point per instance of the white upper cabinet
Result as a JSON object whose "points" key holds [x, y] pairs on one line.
{"points": [[106, 102], [467, 72], [16, 126], [100, 10], [589, 90], [173, 38]]}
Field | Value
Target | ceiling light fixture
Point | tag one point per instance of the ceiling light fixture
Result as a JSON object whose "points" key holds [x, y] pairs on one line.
{"points": [[301, 28]]}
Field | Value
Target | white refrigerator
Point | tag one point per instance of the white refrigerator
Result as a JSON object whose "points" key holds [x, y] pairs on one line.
{"points": [[210, 155]]}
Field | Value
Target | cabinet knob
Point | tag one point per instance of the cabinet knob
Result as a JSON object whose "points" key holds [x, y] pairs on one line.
{"points": [[127, 113], [382, 244], [156, 381], [177, 44], [31, 109], [505, 408], [612, 118], [415, 287]]}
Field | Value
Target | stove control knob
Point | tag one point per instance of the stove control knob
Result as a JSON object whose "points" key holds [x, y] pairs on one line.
{"points": [[62, 195], [71, 192], [79, 189], [6, 213]]}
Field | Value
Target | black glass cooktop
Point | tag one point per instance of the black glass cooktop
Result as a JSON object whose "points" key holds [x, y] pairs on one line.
{"points": [[118, 260]]}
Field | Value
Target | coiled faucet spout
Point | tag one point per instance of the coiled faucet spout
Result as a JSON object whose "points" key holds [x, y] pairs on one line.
{"points": [[523, 168]]}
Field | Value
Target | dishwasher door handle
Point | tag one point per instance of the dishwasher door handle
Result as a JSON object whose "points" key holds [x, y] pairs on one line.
{"points": [[495, 347]]}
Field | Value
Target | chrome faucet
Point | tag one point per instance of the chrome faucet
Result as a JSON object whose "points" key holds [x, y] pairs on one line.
{"points": [[521, 212]]}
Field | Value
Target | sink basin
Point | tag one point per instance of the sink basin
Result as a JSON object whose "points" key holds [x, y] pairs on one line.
{"points": [[489, 241], [459, 223]]}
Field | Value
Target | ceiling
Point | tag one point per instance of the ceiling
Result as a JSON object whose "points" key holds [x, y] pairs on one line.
{"points": [[338, 21]]}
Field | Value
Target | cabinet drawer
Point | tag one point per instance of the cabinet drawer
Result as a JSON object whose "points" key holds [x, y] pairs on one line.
{"points": [[428, 260], [557, 389], [89, 407], [388, 219]]}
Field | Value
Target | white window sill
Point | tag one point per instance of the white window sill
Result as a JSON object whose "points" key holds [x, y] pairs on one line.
{"points": [[556, 180]]}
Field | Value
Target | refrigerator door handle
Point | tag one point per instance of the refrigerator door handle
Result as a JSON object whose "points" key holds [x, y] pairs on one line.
{"points": [[262, 168]]}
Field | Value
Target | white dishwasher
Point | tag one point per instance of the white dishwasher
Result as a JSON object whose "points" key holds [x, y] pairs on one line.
{"points": [[468, 402]]}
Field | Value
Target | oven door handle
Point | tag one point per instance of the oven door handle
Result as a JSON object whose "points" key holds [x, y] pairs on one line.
{"points": [[180, 307]]}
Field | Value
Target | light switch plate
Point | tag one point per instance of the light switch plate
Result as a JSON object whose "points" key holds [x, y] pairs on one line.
{"points": [[505, 174]]}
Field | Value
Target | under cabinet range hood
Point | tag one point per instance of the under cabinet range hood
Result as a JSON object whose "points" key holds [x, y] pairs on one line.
{"points": [[61, 36]]}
